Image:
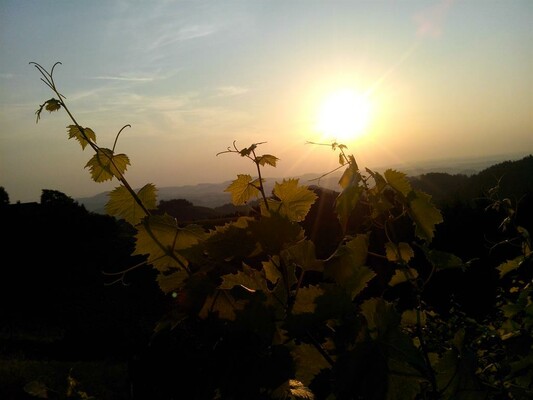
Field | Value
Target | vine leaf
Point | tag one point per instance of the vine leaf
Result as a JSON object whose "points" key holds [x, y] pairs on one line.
{"points": [[272, 273], [351, 175], [346, 266], [75, 132], [345, 203], [223, 305], [160, 237], [104, 165], [248, 278], [309, 362], [303, 254], [122, 204], [267, 159], [293, 200], [275, 232], [305, 300], [443, 260], [401, 276], [401, 252], [292, 390], [398, 181], [424, 214], [509, 265], [243, 189], [231, 241], [172, 281]]}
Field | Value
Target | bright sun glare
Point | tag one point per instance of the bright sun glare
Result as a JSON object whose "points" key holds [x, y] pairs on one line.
{"points": [[343, 116]]}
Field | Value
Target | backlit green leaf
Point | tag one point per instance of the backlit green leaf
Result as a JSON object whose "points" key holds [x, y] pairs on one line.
{"points": [[293, 200], [160, 237], [425, 215], [122, 204], [75, 132], [105, 165], [398, 180], [243, 189]]}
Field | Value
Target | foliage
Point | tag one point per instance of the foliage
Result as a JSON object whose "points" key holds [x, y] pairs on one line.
{"points": [[281, 323]]}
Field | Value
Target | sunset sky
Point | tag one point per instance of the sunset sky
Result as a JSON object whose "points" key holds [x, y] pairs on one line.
{"points": [[419, 80]]}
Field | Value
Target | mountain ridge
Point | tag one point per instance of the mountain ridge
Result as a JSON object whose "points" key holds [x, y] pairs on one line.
{"points": [[213, 195]]}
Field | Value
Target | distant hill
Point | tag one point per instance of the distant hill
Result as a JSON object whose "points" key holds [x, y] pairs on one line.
{"points": [[442, 179]]}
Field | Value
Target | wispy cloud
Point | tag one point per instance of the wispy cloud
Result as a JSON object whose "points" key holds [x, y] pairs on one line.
{"points": [[7, 75], [170, 35], [124, 78], [227, 91], [430, 22]]}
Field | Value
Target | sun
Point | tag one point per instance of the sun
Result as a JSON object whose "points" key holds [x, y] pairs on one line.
{"points": [[343, 116]]}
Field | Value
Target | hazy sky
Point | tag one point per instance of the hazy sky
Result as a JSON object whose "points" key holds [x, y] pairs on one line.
{"points": [[444, 79]]}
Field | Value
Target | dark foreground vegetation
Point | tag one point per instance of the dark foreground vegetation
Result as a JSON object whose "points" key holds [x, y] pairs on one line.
{"points": [[74, 325]]}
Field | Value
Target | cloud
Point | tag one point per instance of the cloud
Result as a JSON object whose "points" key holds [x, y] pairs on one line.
{"points": [[7, 75], [170, 35], [124, 78], [226, 91], [430, 21]]}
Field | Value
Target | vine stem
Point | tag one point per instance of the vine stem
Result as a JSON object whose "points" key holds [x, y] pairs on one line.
{"points": [[49, 81]]}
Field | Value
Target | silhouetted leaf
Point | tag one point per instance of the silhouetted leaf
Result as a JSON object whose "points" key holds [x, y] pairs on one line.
{"points": [[305, 299], [399, 252], [223, 305], [267, 159], [275, 233], [248, 278], [231, 241], [309, 362], [346, 202], [122, 204], [509, 265], [303, 255], [351, 175], [403, 275], [36, 389], [172, 281], [346, 266], [272, 273]]}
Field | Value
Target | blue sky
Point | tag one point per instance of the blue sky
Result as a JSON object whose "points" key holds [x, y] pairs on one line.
{"points": [[445, 78]]}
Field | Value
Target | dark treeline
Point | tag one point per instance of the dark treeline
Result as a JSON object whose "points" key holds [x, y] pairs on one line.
{"points": [[63, 296]]}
